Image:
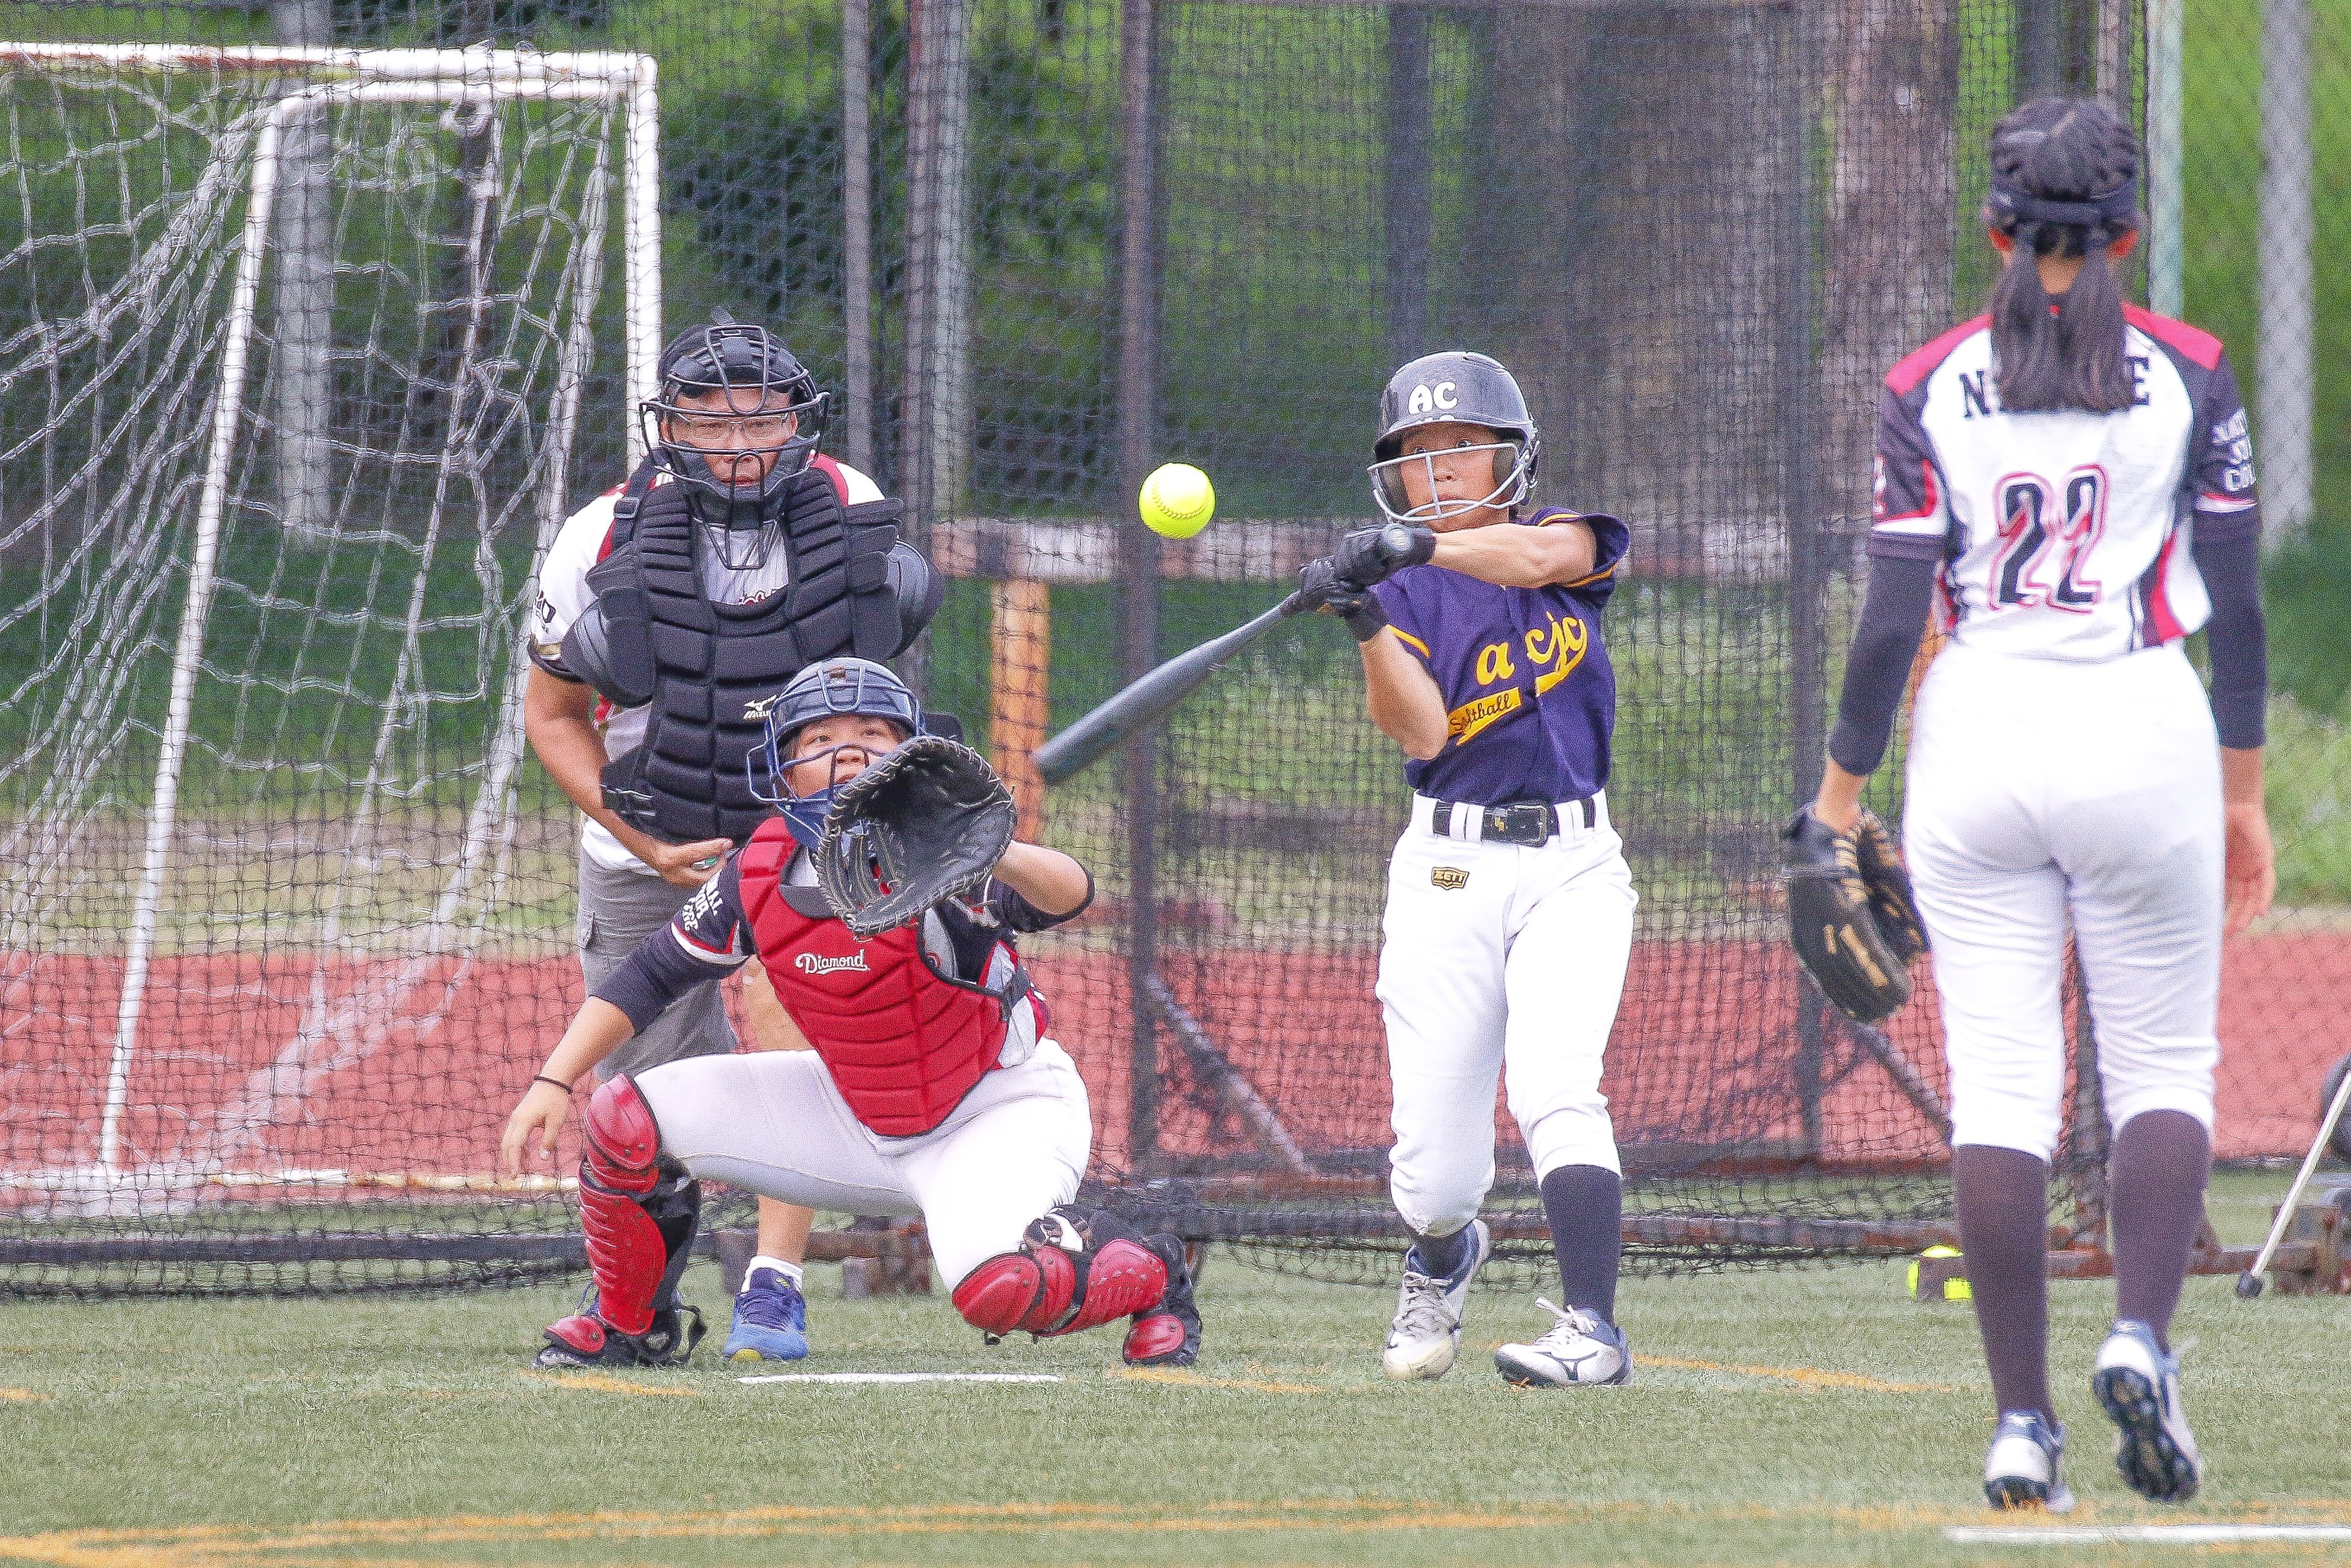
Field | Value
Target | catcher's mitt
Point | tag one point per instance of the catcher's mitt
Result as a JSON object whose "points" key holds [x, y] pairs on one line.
{"points": [[1851, 915], [927, 821]]}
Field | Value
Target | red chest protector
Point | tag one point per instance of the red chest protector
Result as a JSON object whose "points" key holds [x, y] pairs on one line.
{"points": [[903, 1043]]}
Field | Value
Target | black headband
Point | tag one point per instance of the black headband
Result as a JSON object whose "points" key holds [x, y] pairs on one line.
{"points": [[2118, 205]]}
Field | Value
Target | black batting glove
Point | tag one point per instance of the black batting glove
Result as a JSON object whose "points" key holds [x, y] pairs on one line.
{"points": [[1366, 619], [1323, 588], [1367, 556], [1319, 582]]}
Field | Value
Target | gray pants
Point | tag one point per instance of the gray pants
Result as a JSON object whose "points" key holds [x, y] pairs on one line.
{"points": [[617, 910]]}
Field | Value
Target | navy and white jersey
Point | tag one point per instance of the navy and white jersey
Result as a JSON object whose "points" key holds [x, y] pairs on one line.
{"points": [[1530, 698], [2065, 535]]}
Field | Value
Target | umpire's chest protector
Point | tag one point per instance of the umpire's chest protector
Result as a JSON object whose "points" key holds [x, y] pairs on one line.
{"points": [[903, 1043], [713, 668]]}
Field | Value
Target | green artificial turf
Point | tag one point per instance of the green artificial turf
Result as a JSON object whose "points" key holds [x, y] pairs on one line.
{"points": [[1811, 1416]]}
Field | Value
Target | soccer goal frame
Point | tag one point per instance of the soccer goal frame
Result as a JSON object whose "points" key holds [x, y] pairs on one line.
{"points": [[315, 78]]}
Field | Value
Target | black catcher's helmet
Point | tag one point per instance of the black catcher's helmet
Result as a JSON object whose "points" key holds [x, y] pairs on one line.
{"points": [[1457, 388], [742, 374]]}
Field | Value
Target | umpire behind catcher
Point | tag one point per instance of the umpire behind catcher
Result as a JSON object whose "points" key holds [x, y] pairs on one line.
{"points": [[671, 611]]}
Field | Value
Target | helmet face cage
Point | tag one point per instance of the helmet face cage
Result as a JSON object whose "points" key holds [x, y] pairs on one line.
{"points": [[1514, 481], [1454, 388], [741, 369], [835, 686]]}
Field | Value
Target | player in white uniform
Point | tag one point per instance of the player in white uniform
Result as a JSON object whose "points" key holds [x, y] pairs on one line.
{"points": [[733, 434], [1509, 908], [2068, 480]]}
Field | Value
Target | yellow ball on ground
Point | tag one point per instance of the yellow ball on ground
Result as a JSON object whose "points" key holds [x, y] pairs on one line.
{"points": [[1176, 501], [1953, 1290]]}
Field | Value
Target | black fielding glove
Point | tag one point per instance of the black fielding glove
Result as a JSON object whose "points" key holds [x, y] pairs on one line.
{"points": [[1850, 915], [1367, 556], [928, 821]]}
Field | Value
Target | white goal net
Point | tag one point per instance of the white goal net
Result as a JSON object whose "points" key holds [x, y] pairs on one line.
{"points": [[296, 350]]}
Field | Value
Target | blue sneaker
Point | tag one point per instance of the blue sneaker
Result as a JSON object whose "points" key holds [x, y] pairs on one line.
{"points": [[2020, 1471], [2138, 1383], [770, 1320], [1426, 1334]]}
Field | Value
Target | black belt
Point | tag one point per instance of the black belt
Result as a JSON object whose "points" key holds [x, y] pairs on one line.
{"points": [[1516, 822]]}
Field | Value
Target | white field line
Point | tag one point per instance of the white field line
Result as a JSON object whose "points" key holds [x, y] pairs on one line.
{"points": [[2145, 1534], [904, 1377]]}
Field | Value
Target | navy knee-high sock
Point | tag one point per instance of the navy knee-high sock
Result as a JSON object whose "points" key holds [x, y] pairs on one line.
{"points": [[2160, 1162], [1585, 1206], [2002, 1197]]}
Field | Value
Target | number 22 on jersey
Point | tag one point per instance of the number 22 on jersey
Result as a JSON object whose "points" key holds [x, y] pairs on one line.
{"points": [[2048, 529]]}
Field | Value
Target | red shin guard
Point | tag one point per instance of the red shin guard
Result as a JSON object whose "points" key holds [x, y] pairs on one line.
{"points": [[626, 1252], [1122, 1278], [1017, 1290], [1157, 1339], [1046, 1291]]}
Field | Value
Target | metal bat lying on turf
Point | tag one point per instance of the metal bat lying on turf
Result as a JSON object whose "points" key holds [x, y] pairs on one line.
{"points": [[1148, 700]]}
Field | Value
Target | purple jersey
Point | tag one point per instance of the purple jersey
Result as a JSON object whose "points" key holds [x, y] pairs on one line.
{"points": [[1529, 694]]}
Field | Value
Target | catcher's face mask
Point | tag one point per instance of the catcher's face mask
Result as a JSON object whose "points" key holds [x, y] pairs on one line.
{"points": [[820, 758]]}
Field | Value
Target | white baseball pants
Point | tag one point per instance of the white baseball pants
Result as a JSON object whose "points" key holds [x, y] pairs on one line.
{"points": [[774, 1122], [1499, 961], [2040, 786]]}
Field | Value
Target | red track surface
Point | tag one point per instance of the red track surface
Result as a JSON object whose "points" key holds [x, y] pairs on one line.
{"points": [[419, 1077]]}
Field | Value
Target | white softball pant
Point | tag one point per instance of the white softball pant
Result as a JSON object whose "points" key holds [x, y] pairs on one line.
{"points": [[774, 1123], [2040, 786], [1499, 960]]}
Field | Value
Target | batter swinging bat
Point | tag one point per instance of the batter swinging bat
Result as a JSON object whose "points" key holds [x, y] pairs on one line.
{"points": [[1148, 700]]}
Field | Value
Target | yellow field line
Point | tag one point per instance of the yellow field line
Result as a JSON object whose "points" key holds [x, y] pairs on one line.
{"points": [[217, 1546], [1183, 1379], [354, 1543], [21, 1395], [598, 1382], [1804, 1377]]}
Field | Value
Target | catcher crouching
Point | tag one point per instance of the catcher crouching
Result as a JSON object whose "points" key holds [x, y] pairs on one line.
{"points": [[882, 899]]}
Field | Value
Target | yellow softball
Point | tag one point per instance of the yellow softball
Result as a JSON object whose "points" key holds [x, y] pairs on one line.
{"points": [[1176, 501]]}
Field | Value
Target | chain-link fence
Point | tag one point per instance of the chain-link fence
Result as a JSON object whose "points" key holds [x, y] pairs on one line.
{"points": [[1036, 247]]}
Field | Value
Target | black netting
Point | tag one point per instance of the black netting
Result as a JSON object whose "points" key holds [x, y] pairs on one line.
{"points": [[1035, 248]]}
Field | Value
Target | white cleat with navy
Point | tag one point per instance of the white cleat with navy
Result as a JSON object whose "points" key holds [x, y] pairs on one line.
{"points": [[2020, 1470], [1425, 1335], [2138, 1383], [1579, 1350]]}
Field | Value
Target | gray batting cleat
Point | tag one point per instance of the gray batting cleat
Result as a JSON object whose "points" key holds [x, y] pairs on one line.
{"points": [[1426, 1334], [2138, 1383], [1578, 1351], [2020, 1471]]}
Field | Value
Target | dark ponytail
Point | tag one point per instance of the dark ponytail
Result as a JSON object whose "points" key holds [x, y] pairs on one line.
{"points": [[2064, 182]]}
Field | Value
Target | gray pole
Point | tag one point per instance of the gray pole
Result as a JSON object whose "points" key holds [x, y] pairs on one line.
{"points": [[2285, 375], [2113, 51], [1138, 316], [938, 360], [2165, 256], [305, 277], [857, 225], [1405, 210]]}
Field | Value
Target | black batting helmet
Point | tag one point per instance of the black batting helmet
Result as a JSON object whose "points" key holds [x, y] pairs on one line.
{"points": [[1457, 388]]}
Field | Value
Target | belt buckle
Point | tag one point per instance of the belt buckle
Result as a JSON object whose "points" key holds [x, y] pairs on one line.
{"points": [[1521, 822]]}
